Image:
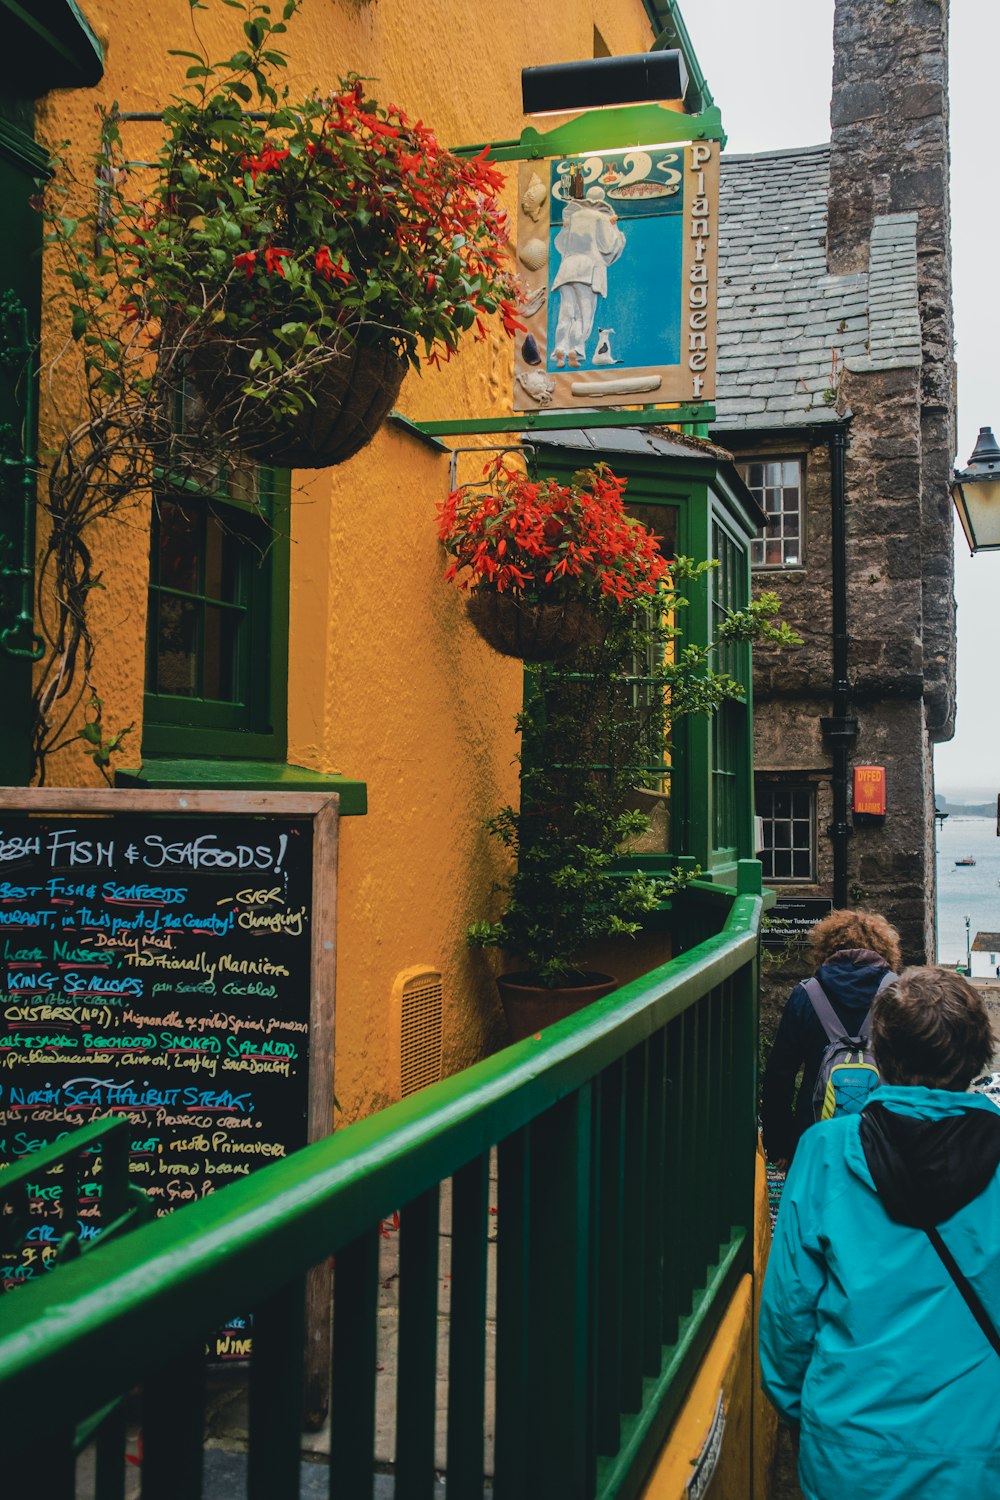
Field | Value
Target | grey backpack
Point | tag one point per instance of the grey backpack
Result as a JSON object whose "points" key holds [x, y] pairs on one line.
{"points": [[848, 1071]]}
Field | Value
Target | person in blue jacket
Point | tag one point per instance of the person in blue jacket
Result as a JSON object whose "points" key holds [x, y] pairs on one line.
{"points": [[852, 952], [867, 1346]]}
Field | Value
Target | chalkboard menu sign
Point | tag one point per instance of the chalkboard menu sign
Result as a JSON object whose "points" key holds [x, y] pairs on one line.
{"points": [[168, 958]]}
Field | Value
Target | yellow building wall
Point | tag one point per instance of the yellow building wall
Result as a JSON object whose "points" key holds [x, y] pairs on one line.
{"points": [[729, 1369], [387, 681]]}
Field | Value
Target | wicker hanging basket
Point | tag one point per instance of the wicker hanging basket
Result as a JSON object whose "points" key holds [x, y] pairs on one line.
{"points": [[534, 632], [354, 393]]}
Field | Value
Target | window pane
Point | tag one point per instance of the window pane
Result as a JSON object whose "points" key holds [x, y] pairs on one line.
{"points": [[179, 542], [772, 552], [790, 501], [222, 558], [772, 502], [755, 475], [221, 643], [801, 864], [791, 552], [782, 864], [782, 804], [792, 473], [177, 647]]}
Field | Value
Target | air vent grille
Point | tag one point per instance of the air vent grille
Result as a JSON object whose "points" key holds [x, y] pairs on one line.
{"points": [[420, 1032]]}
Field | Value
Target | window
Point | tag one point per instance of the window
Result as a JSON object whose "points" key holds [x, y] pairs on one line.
{"points": [[729, 723], [216, 638], [788, 815], [776, 484]]}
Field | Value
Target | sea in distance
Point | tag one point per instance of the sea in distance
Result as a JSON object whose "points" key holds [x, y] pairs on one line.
{"points": [[971, 891]]}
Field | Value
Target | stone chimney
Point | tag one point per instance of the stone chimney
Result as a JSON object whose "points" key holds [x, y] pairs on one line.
{"points": [[889, 126]]}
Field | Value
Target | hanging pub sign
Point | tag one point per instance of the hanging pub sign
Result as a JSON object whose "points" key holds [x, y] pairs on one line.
{"points": [[618, 260]]}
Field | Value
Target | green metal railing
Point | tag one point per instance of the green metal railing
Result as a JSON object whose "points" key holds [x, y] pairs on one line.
{"points": [[625, 1158]]}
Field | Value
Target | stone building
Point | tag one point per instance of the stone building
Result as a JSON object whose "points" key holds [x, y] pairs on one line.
{"points": [[836, 395]]}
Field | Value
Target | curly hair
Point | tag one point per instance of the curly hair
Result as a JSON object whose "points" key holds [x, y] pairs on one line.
{"points": [[931, 1027], [854, 929]]}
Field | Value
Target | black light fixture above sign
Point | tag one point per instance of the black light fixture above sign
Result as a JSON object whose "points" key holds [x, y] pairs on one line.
{"points": [[976, 493], [604, 82]]}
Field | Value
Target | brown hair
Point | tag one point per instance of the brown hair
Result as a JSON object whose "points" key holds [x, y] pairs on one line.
{"points": [[931, 1027], [854, 929]]}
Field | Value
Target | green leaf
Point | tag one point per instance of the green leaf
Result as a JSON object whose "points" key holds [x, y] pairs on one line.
{"points": [[79, 324], [91, 733], [255, 359]]}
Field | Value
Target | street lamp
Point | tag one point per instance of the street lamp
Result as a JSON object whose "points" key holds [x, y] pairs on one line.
{"points": [[976, 493]]}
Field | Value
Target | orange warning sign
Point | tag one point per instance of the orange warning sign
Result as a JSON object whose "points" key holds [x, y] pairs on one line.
{"points": [[869, 790]]}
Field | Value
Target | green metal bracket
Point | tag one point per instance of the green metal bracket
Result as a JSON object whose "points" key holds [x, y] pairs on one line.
{"points": [[563, 421], [606, 130], [16, 350]]}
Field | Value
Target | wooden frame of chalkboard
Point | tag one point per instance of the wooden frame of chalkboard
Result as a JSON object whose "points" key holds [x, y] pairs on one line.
{"points": [[50, 956]]}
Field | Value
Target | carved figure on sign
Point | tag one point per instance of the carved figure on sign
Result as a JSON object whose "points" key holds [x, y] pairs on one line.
{"points": [[589, 241]]}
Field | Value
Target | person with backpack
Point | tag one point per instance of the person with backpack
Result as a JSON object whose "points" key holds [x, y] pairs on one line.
{"points": [[854, 953], [878, 1321]]}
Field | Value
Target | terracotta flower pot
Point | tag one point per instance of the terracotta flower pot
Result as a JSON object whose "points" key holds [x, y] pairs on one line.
{"points": [[534, 632], [528, 1006], [354, 392]]}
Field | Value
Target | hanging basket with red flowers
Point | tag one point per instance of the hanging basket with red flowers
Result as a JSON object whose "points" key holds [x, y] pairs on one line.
{"points": [[299, 256], [547, 564]]}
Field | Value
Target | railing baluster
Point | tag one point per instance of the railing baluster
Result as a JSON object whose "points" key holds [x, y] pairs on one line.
{"points": [[692, 1164], [672, 1180], [514, 1239], [173, 1404], [416, 1386], [352, 1384], [633, 1248], [276, 1385], [609, 1228], [45, 1472], [110, 1456], [652, 1344], [715, 1205], [467, 1333], [559, 1446]]}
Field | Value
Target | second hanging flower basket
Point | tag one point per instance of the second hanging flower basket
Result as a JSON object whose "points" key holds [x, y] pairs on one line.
{"points": [[547, 564], [535, 632]]}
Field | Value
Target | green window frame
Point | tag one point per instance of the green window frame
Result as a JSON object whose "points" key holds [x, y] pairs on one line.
{"points": [[217, 628], [730, 724]]}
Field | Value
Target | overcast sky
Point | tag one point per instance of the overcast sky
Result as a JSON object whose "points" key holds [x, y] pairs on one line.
{"points": [[768, 65]]}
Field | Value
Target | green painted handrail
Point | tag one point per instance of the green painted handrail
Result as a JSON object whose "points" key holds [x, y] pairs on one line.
{"points": [[68, 1342]]}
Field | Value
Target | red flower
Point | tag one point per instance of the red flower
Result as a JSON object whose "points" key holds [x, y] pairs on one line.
{"points": [[273, 259], [330, 268], [246, 262], [550, 542]]}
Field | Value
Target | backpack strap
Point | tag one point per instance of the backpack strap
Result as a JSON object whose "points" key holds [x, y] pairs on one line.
{"points": [[965, 1286], [865, 1029], [828, 1018]]}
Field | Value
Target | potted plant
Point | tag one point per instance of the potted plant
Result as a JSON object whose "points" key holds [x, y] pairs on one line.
{"points": [[592, 737], [300, 254], [542, 560]]}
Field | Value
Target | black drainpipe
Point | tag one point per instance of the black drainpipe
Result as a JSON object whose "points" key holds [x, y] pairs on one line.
{"points": [[840, 730]]}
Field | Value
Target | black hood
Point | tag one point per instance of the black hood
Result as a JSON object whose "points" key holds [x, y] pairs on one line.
{"points": [[926, 1170]]}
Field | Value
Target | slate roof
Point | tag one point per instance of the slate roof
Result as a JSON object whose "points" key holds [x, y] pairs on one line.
{"points": [[787, 328]]}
